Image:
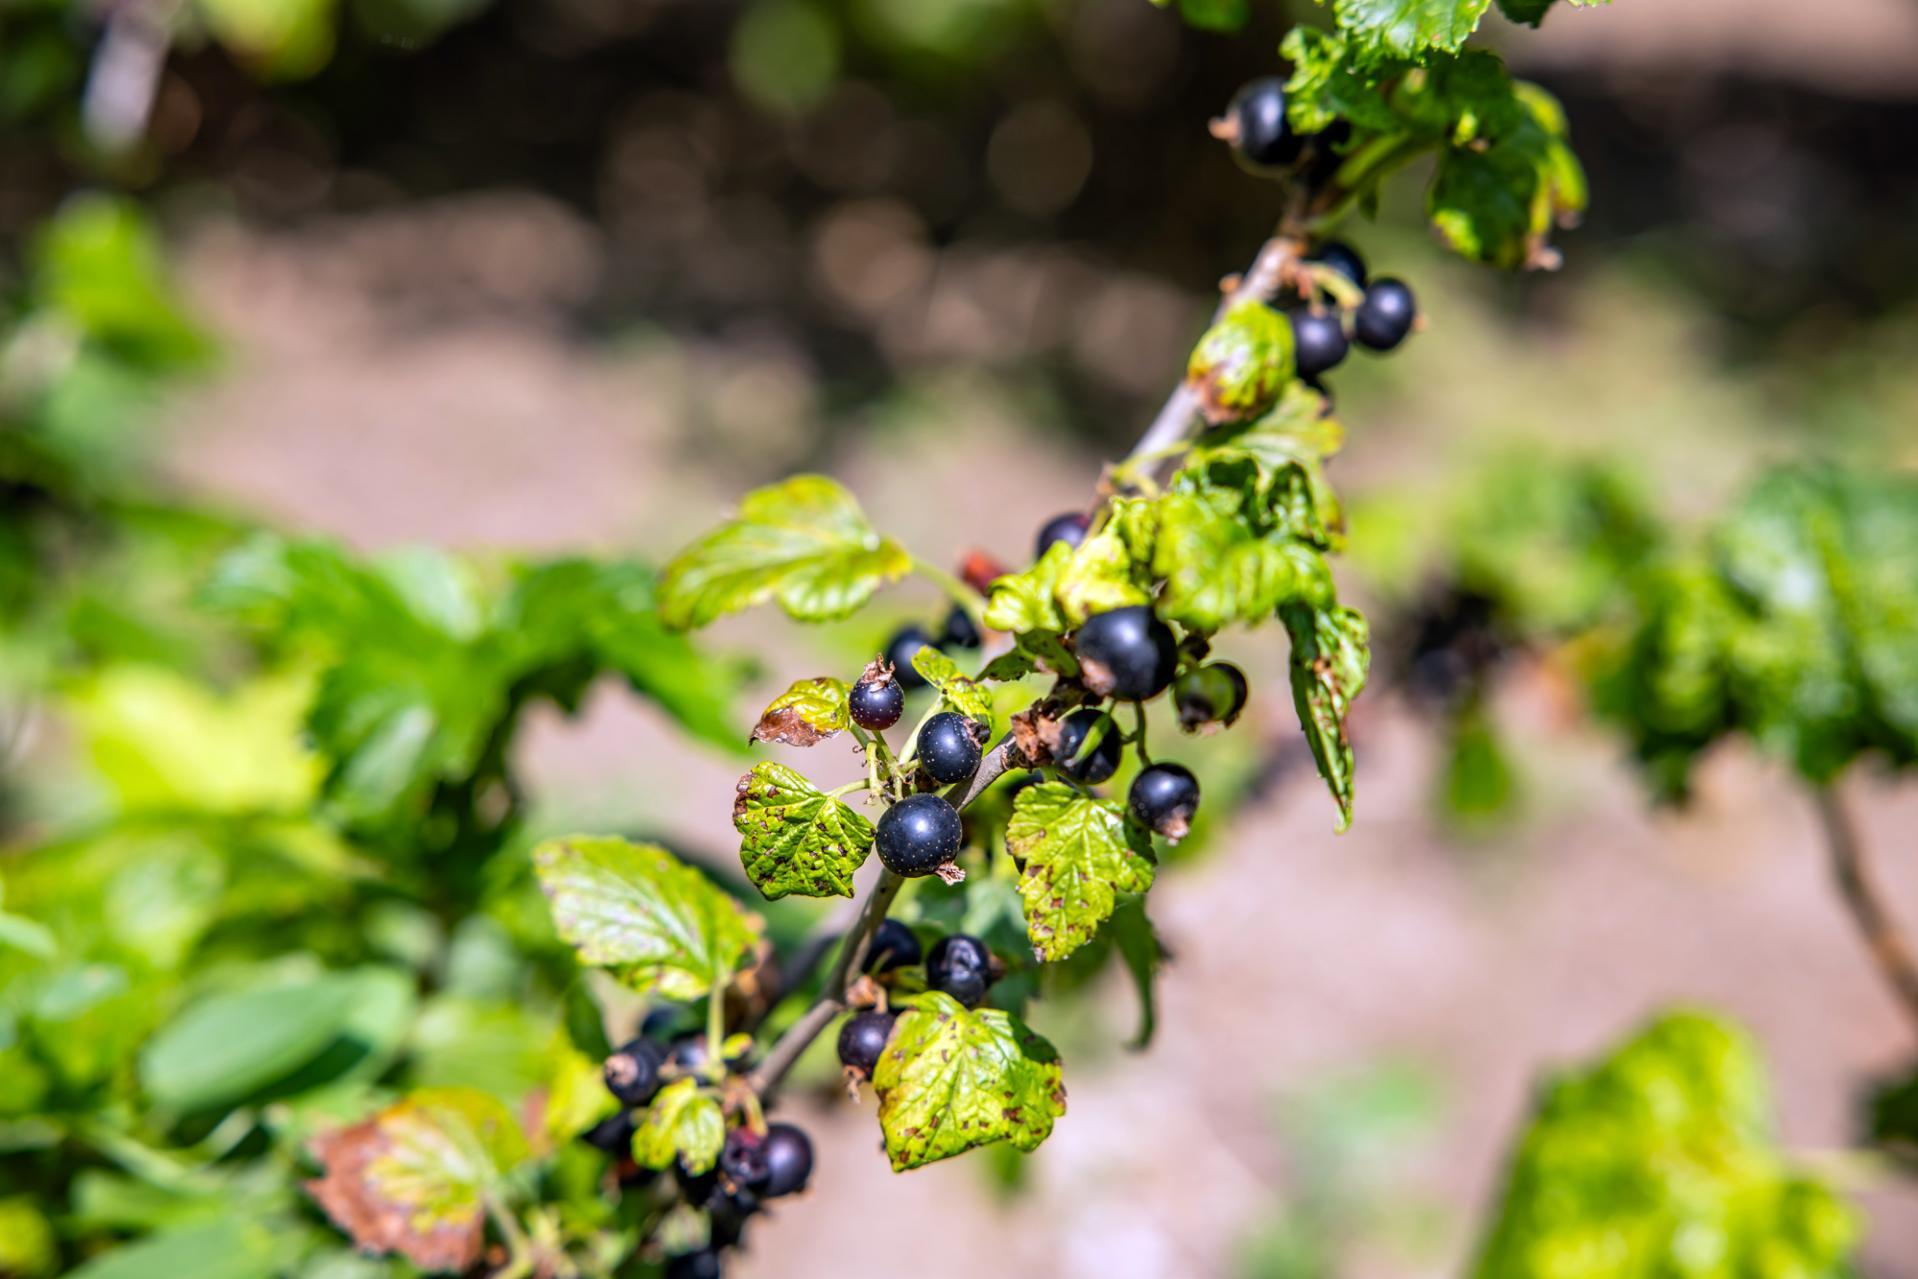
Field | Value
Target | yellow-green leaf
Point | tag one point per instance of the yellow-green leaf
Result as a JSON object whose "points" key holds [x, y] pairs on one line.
{"points": [[682, 1123], [960, 690], [806, 714], [954, 1078], [803, 542], [1079, 854], [795, 838], [657, 923]]}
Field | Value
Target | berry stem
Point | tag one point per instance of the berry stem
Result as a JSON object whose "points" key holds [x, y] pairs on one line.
{"points": [[716, 1035], [964, 596], [790, 1046], [1262, 281], [1138, 733]]}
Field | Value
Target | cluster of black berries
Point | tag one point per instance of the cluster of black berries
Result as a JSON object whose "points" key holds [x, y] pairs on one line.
{"points": [[754, 1165], [958, 964], [957, 632], [1256, 126]]}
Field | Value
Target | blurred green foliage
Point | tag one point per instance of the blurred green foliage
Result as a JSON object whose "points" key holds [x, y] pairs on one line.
{"points": [[1659, 1161]]}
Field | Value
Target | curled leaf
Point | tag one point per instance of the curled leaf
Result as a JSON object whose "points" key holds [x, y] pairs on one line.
{"points": [[1241, 363], [806, 714], [414, 1178]]}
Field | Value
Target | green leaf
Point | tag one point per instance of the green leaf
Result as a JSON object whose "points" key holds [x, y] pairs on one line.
{"points": [[1139, 946], [1409, 28], [795, 838], [28, 936], [1241, 363], [807, 713], [1525, 12], [1025, 602], [1658, 1161], [1101, 575], [960, 691], [1223, 16], [226, 1248], [415, 1178], [1288, 448], [683, 1124], [1330, 655], [954, 1078], [803, 542], [99, 265], [657, 923], [232, 1046], [1079, 854], [1217, 572]]}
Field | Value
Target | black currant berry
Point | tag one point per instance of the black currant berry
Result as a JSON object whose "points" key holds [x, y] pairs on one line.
{"points": [[696, 1187], [893, 946], [688, 1054], [876, 702], [960, 631], [788, 1154], [918, 835], [1318, 341], [1069, 528], [1210, 694], [742, 1161], [1127, 653], [862, 1039], [1103, 760], [632, 1072], [613, 1134], [950, 746], [1258, 128], [1341, 257], [961, 966], [1165, 797], [703, 1264], [1386, 315], [906, 641]]}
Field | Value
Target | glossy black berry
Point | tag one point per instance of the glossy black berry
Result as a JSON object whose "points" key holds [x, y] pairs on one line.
{"points": [[696, 1188], [632, 1072], [742, 1161], [893, 946], [1260, 132], [960, 631], [1103, 759], [1165, 797], [876, 702], [613, 1134], [1069, 528], [906, 641], [1211, 694], [1386, 315], [961, 966], [1341, 257], [863, 1038], [918, 835], [688, 1054], [950, 746], [788, 1154], [1318, 340], [1127, 653], [703, 1264]]}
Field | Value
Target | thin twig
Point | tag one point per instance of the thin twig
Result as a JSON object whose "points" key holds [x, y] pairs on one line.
{"points": [[1262, 281], [832, 1001], [1858, 885]]}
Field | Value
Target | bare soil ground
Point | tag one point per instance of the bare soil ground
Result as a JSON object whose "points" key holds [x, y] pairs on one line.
{"points": [[376, 400]]}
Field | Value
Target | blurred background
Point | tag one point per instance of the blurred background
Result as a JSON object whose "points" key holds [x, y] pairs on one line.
{"points": [[544, 276]]}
